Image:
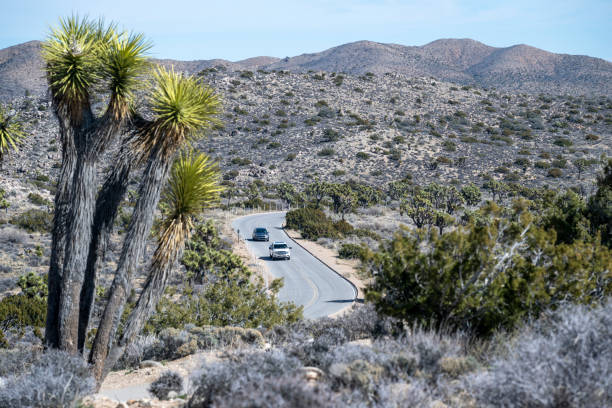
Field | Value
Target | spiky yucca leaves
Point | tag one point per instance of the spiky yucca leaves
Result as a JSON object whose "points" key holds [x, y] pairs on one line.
{"points": [[193, 186], [11, 133], [124, 64], [71, 54], [183, 107], [82, 56]]}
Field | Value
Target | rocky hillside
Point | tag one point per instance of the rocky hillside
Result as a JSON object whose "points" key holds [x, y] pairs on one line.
{"points": [[464, 61], [374, 128]]}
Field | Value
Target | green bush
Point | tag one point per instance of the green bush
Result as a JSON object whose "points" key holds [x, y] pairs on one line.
{"points": [[460, 278], [34, 220], [37, 199], [235, 302], [555, 172], [19, 311], [326, 152], [352, 251], [312, 223], [231, 295], [33, 285]]}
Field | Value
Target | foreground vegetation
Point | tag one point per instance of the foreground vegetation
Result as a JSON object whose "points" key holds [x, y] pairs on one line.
{"points": [[367, 360]]}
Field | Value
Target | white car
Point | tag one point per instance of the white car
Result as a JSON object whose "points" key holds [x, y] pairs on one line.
{"points": [[279, 250]]}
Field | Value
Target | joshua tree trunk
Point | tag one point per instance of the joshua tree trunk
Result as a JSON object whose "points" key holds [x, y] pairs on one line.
{"points": [[107, 207], [58, 241], [152, 292], [72, 121], [140, 225], [89, 148]]}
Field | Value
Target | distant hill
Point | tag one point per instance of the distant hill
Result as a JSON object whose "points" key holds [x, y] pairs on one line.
{"points": [[464, 61]]}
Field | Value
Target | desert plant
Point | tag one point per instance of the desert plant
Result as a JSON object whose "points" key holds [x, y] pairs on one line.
{"points": [[53, 379], [34, 220], [81, 56], [168, 381], [465, 278], [193, 186], [11, 133], [564, 360]]}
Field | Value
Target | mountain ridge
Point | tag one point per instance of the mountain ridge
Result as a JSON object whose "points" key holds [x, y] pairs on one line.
{"points": [[518, 67]]}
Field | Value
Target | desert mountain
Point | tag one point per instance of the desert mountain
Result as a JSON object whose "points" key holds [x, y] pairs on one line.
{"points": [[464, 61]]}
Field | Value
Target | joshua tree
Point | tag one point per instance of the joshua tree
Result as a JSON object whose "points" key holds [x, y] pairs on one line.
{"points": [[81, 56], [182, 107], [84, 60], [192, 187], [10, 133]]}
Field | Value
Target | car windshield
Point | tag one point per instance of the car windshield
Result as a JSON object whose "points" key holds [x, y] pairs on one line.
{"points": [[260, 230], [280, 246]]}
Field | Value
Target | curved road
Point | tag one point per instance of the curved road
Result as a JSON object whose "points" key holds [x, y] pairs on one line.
{"points": [[307, 281]]}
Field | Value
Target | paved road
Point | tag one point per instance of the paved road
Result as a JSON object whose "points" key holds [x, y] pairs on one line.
{"points": [[307, 281]]}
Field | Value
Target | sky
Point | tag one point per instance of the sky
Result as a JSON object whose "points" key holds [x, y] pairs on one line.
{"points": [[234, 30]]}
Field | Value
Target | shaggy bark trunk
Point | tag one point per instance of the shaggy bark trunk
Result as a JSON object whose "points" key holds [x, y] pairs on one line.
{"points": [[107, 207], [58, 236], [89, 147], [140, 225], [151, 294]]}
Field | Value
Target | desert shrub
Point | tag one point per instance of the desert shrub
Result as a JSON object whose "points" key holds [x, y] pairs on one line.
{"points": [[343, 227], [54, 379], [289, 392], [592, 137], [362, 155], [461, 278], [33, 285], [19, 311], [226, 302], [37, 199], [314, 224], [167, 382], [555, 172], [326, 152], [243, 370], [599, 208], [471, 194], [564, 360], [290, 157], [563, 142], [240, 161], [34, 220], [360, 322], [352, 251], [171, 343]]}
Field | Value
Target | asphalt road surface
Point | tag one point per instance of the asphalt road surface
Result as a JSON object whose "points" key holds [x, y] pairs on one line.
{"points": [[307, 281]]}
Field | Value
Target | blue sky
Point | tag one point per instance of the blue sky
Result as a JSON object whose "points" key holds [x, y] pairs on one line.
{"points": [[192, 29]]}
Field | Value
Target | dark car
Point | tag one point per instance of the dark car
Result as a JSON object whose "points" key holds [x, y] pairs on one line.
{"points": [[261, 234]]}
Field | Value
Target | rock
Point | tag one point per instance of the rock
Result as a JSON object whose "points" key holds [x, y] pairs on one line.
{"points": [[312, 374], [150, 364], [172, 395], [121, 405]]}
